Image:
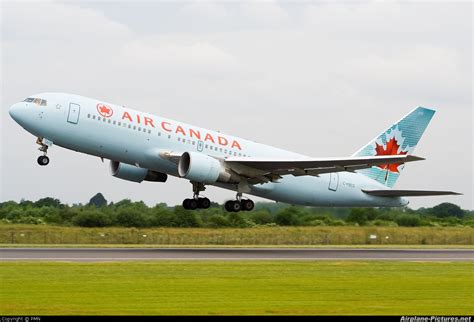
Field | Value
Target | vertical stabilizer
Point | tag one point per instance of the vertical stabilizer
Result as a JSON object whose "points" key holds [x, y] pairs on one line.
{"points": [[399, 139]]}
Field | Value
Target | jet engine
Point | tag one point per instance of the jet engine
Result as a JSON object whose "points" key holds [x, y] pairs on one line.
{"points": [[202, 168], [132, 173]]}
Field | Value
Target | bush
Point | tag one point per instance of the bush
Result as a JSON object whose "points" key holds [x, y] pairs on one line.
{"points": [[130, 218], [237, 220], [186, 218], [288, 217], [358, 215], [91, 219], [216, 221], [29, 220], [162, 217], [384, 223], [261, 217], [406, 220], [337, 222]]}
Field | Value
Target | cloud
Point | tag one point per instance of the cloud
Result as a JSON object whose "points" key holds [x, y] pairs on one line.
{"points": [[60, 22], [178, 56]]}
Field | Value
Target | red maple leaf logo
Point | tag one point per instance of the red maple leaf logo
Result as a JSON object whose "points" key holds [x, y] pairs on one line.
{"points": [[391, 149], [104, 110]]}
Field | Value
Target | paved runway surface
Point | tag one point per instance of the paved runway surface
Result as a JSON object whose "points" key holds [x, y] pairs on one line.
{"points": [[124, 254]]}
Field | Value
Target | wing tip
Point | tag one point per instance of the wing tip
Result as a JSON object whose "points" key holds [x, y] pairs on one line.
{"points": [[412, 157]]}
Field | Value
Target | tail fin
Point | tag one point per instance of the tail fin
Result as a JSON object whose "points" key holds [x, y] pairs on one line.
{"points": [[401, 138]]}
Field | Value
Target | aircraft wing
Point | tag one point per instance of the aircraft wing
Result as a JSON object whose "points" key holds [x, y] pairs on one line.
{"points": [[273, 169], [408, 193], [261, 170]]}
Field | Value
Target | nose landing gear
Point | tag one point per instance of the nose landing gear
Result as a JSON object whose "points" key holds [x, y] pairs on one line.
{"points": [[43, 159]]}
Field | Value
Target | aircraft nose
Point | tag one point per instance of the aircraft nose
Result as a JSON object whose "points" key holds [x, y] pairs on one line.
{"points": [[16, 111]]}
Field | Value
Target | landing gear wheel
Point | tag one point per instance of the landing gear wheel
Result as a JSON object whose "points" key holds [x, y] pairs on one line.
{"points": [[247, 204], [43, 160], [233, 206], [192, 204], [228, 205], [185, 203], [204, 203]]}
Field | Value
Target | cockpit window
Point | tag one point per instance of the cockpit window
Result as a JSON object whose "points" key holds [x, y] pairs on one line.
{"points": [[36, 100]]}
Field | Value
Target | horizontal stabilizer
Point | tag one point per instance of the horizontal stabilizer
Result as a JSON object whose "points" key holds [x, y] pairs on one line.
{"points": [[408, 193]]}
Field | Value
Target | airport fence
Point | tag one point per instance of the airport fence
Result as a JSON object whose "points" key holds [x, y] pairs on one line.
{"points": [[31, 234]]}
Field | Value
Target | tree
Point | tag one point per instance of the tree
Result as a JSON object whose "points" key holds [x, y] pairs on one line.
{"points": [[447, 209], [98, 200], [48, 202]]}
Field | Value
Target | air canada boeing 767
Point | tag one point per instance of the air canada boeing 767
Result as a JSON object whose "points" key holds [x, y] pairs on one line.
{"points": [[145, 147]]}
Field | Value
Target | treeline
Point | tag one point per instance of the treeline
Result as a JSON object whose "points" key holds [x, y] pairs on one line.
{"points": [[125, 213]]}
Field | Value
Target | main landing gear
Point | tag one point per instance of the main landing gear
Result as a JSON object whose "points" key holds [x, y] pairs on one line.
{"points": [[42, 159], [239, 204], [197, 202], [203, 203]]}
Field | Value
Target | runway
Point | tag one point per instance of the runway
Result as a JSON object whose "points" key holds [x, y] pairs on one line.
{"points": [[131, 254]]}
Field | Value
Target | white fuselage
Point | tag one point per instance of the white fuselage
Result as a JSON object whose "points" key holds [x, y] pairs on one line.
{"points": [[137, 138]]}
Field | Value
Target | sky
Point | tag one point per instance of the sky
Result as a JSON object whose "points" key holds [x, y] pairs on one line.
{"points": [[318, 78]]}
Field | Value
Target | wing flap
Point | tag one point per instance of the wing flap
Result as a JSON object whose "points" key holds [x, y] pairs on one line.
{"points": [[408, 193], [315, 167]]}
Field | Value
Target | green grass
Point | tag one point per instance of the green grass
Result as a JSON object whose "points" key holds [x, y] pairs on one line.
{"points": [[237, 287], [304, 236]]}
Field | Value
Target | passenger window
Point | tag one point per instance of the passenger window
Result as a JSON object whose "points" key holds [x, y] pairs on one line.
{"points": [[43, 103], [28, 100]]}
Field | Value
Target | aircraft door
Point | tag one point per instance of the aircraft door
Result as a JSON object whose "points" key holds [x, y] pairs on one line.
{"points": [[333, 181], [73, 114]]}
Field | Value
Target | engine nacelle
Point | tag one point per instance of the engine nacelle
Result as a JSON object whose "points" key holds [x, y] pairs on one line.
{"points": [[132, 173], [202, 168]]}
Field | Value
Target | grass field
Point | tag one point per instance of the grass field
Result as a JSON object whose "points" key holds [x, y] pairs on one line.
{"points": [[237, 287], [46, 235]]}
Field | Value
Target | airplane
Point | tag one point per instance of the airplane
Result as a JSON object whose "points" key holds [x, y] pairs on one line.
{"points": [[146, 147]]}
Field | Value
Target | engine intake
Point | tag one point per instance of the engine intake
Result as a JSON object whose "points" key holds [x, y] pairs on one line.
{"points": [[206, 169], [132, 173]]}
